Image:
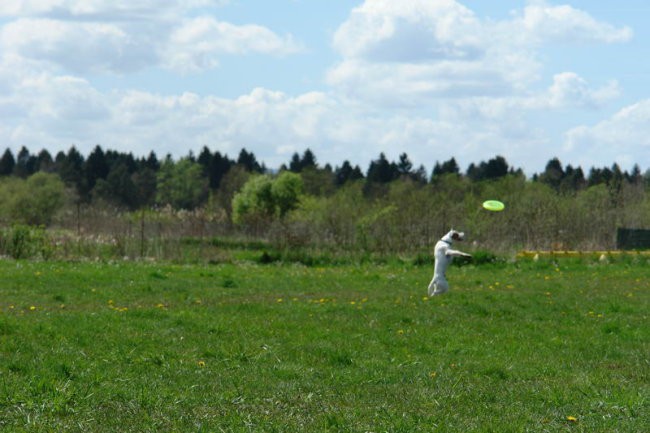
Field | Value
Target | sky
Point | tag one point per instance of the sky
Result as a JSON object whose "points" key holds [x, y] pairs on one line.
{"points": [[528, 80]]}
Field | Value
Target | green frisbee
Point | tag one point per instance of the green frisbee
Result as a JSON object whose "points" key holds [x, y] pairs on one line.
{"points": [[493, 205]]}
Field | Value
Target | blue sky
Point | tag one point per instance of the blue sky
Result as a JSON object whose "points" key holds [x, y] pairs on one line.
{"points": [[528, 80]]}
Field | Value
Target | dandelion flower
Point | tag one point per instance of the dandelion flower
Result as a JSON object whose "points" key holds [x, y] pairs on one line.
{"points": [[201, 364], [571, 419], [32, 308]]}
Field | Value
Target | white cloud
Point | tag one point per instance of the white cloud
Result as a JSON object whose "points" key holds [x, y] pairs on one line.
{"points": [[569, 89], [54, 111], [405, 53], [416, 52], [59, 111], [624, 138], [78, 47], [125, 36], [198, 43], [413, 31], [564, 23]]}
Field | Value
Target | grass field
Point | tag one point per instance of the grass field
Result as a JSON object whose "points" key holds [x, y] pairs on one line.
{"points": [[136, 347]]}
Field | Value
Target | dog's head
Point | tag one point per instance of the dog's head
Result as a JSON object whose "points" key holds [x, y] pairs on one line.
{"points": [[453, 235]]}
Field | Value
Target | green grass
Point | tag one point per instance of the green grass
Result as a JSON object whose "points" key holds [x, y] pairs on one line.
{"points": [[135, 347]]}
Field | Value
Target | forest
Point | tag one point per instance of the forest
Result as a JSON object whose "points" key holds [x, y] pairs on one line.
{"points": [[135, 204]]}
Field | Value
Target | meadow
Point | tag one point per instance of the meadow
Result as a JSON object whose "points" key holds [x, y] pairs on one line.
{"points": [[547, 346]]}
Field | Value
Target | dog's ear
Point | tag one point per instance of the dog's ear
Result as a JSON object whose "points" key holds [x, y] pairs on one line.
{"points": [[457, 236]]}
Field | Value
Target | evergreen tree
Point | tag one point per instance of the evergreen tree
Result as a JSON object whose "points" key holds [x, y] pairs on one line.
{"points": [[152, 162], [404, 166], [7, 163], [144, 181], [219, 167], [496, 167], [121, 185], [574, 180], [298, 163], [493, 169], [95, 167], [553, 174], [45, 162], [447, 167], [635, 178], [420, 175], [308, 160], [347, 173], [599, 176], [25, 164], [381, 171], [473, 172], [70, 168], [205, 159], [249, 162], [295, 165]]}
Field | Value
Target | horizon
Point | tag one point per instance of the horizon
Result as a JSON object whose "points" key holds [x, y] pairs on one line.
{"points": [[645, 172]]}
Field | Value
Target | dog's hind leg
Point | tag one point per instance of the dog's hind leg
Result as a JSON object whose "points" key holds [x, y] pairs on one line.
{"points": [[438, 286]]}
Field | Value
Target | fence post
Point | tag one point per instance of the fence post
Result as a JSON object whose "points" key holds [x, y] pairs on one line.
{"points": [[142, 233]]}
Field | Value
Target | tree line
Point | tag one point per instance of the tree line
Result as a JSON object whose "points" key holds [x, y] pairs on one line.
{"points": [[390, 206], [130, 182]]}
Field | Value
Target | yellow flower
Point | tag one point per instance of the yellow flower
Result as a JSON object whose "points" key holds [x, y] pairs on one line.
{"points": [[201, 364], [400, 332], [32, 308], [571, 419], [432, 375]]}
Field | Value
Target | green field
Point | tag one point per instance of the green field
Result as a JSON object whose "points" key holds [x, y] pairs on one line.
{"points": [[144, 347]]}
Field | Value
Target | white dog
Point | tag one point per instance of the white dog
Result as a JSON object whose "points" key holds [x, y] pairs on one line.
{"points": [[443, 257]]}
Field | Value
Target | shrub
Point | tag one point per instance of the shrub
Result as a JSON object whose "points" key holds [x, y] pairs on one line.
{"points": [[22, 242]]}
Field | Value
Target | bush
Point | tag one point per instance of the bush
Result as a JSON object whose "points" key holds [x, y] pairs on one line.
{"points": [[23, 242], [33, 201]]}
